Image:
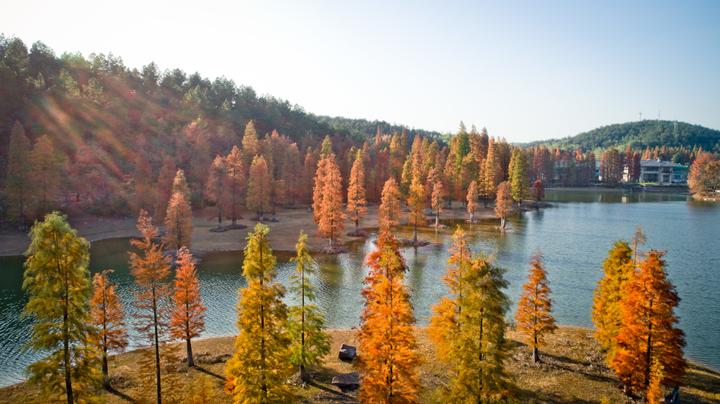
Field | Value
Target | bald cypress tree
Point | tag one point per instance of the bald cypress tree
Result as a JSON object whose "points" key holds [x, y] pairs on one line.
{"points": [[18, 174]]}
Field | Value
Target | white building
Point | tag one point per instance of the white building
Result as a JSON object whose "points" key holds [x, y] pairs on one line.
{"points": [[662, 172]]}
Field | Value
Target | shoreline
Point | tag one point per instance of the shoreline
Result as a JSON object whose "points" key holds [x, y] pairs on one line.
{"points": [[572, 370]]}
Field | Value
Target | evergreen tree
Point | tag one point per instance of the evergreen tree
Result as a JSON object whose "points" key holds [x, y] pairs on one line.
{"points": [[57, 282], [178, 222], [356, 200], [389, 210], [151, 270], [306, 323], [108, 317], [390, 360], [188, 315], [519, 177], [468, 329], [648, 330], [618, 268], [259, 369], [533, 316], [258, 193], [18, 174]]}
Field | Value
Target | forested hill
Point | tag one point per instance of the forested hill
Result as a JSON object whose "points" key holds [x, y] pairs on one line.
{"points": [[647, 133], [364, 128]]}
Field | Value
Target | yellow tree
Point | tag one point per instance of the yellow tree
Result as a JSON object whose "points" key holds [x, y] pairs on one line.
{"points": [[107, 315], [468, 329], [356, 201], [188, 315], [57, 282], [235, 182], [503, 203], [618, 268], [649, 329], [534, 312], [390, 360], [259, 368], [436, 201], [151, 270], [215, 190], [332, 218], [389, 210], [472, 200], [258, 193], [306, 323], [178, 222], [416, 206]]}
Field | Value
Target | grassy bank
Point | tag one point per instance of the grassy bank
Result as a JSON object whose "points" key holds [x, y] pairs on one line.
{"points": [[572, 371]]}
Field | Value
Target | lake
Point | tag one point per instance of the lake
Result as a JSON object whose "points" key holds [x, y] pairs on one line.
{"points": [[574, 235]]}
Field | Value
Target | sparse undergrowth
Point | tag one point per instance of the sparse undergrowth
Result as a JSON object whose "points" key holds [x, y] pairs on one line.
{"points": [[572, 370]]}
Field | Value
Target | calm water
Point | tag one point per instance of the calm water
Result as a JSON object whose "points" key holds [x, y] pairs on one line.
{"points": [[574, 235]]}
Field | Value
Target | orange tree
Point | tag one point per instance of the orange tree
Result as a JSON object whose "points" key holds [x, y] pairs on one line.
{"points": [[533, 316]]}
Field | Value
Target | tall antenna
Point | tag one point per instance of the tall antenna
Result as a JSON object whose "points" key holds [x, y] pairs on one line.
{"points": [[640, 115]]}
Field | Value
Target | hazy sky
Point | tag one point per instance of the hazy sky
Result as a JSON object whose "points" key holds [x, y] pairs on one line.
{"points": [[525, 70]]}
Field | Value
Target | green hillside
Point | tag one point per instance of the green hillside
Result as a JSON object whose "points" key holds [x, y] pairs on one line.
{"points": [[640, 135]]}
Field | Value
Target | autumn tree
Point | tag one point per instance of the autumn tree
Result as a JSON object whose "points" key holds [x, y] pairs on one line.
{"points": [[215, 190], [18, 174], [416, 206], [259, 369], [250, 144], [180, 184], [188, 313], [472, 200], [151, 269], [332, 218], [704, 175], [538, 191], [178, 222], [389, 210], [503, 203], [306, 323], [533, 316], [436, 200], [490, 174], [356, 201], [57, 282], [258, 192], [519, 176], [390, 360], [618, 268], [165, 180], [46, 173], [654, 393], [108, 317], [648, 330], [235, 182], [468, 328]]}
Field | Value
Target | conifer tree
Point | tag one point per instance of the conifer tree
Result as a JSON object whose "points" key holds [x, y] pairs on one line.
{"points": [[188, 315], [215, 190], [468, 329], [180, 185], [250, 143], [436, 201], [236, 181], [332, 218], [46, 173], [519, 176], [654, 393], [538, 191], [306, 323], [108, 317], [389, 210], [18, 174], [151, 270], [57, 282], [490, 173], [390, 360], [319, 187], [648, 331], [618, 268], [356, 200], [416, 206], [165, 180], [178, 222], [472, 200], [258, 193], [503, 203], [533, 316], [259, 369]]}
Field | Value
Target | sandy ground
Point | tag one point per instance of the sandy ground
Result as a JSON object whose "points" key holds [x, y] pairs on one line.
{"points": [[283, 233], [572, 371]]}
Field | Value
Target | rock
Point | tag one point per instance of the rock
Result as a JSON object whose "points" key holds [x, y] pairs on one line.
{"points": [[347, 353], [346, 381]]}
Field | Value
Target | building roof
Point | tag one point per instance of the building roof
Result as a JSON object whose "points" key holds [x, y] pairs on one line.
{"points": [[659, 163]]}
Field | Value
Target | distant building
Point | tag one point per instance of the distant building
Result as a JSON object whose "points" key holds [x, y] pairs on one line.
{"points": [[660, 173]]}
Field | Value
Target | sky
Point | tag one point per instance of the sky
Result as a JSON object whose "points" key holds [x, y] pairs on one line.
{"points": [[524, 70]]}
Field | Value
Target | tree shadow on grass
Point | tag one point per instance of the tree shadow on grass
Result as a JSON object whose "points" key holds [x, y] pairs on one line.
{"points": [[574, 366], [545, 397], [702, 380], [208, 372], [120, 394]]}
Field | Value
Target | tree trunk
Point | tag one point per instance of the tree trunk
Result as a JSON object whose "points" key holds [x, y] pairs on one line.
{"points": [[191, 362], [105, 376], [157, 351]]}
